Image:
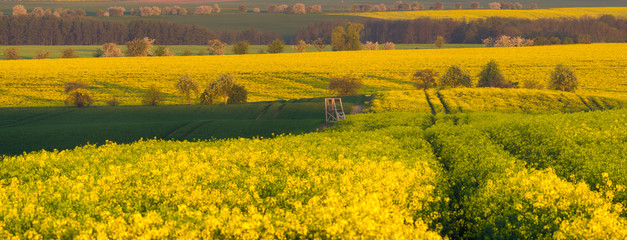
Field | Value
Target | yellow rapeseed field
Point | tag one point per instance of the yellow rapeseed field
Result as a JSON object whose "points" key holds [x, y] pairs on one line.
{"points": [[473, 14], [599, 67]]}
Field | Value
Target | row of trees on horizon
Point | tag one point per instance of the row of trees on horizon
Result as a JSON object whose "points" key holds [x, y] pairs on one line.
{"points": [[50, 30]]}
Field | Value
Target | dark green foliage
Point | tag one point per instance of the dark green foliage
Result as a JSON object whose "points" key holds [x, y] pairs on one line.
{"points": [[455, 77], [77, 94], [424, 79], [68, 53], [276, 46], [584, 38], [113, 101], [188, 52], [564, 79], [567, 40], [555, 41], [98, 53], [439, 42], [539, 41], [491, 76], [238, 94], [139, 47], [347, 38], [345, 86], [188, 87], [42, 54], [153, 96], [240, 47], [161, 51]]}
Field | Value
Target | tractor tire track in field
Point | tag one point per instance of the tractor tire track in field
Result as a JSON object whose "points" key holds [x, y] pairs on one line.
{"points": [[35, 118], [278, 111], [263, 111], [446, 109], [194, 129], [429, 102], [170, 134]]}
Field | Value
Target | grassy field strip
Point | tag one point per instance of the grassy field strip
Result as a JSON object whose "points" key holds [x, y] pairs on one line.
{"points": [[473, 14]]}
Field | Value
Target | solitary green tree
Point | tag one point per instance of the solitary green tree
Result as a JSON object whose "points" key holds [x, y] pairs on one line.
{"points": [[187, 86], [223, 86], [139, 47], [153, 96], [455, 77], [347, 38], [439, 42], [240, 47], [424, 79], [345, 86], [563, 79], [491, 76], [276, 46]]}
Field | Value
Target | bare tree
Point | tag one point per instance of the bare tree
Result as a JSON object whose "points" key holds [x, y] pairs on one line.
{"points": [[111, 50], [319, 44], [11, 54], [438, 6], [475, 5]]}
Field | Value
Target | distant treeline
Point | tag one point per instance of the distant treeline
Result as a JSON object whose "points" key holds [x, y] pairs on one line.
{"points": [[71, 30], [425, 30]]}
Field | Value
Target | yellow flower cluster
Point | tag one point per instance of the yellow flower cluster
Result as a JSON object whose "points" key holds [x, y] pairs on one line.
{"points": [[490, 100], [23, 83], [347, 185], [473, 14]]}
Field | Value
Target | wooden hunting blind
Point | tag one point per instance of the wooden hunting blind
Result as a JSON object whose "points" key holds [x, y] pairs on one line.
{"points": [[333, 111]]}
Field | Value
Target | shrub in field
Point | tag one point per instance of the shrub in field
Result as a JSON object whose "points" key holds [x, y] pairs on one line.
{"points": [[562, 78], [533, 6], [216, 8], [11, 54], [68, 53], [458, 6], [518, 6], [319, 44], [186, 52], [567, 40], [153, 96], [388, 46], [77, 94], [188, 87], [455, 77], [272, 8], [240, 47], [371, 46], [300, 8], [424, 79], [555, 41], [438, 5], [42, 54], [38, 12], [347, 38], [203, 10], [439, 42], [276, 46], [222, 88], [495, 5], [238, 94], [301, 47], [201, 52], [113, 101], [216, 47], [111, 50], [317, 8], [116, 11], [475, 5], [163, 51], [532, 84], [345, 86], [415, 6], [539, 41], [242, 9], [19, 10], [256, 10], [139, 47], [491, 76]]}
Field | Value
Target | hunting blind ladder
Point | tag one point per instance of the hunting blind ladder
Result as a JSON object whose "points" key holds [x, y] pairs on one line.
{"points": [[332, 111]]}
